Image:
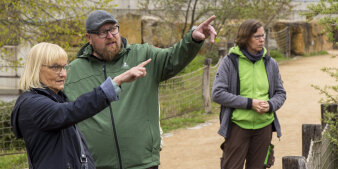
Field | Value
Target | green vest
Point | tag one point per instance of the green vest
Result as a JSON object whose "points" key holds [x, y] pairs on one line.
{"points": [[253, 84]]}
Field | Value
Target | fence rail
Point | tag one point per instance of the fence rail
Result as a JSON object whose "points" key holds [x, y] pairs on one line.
{"points": [[320, 155], [283, 39], [182, 94], [318, 152]]}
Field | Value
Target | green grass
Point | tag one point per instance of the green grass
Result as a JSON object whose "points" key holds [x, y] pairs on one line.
{"points": [[278, 56], [323, 52], [193, 65], [187, 120], [16, 161]]}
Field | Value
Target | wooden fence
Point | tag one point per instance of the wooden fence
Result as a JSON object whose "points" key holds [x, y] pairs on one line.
{"points": [[317, 150]]}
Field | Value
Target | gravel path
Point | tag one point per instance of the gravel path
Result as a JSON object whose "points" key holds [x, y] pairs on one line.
{"points": [[198, 147]]}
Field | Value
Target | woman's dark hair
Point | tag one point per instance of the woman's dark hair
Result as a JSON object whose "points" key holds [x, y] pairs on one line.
{"points": [[245, 31]]}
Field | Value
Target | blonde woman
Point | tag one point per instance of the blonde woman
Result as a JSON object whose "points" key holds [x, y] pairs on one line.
{"points": [[44, 118]]}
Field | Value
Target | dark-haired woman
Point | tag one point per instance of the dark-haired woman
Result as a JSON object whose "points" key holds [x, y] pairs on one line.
{"points": [[249, 88]]}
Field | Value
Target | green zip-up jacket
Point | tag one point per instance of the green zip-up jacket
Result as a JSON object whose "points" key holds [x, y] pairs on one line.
{"points": [[227, 90], [136, 113], [253, 84]]}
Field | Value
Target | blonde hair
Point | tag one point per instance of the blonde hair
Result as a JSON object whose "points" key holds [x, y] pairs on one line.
{"points": [[41, 54]]}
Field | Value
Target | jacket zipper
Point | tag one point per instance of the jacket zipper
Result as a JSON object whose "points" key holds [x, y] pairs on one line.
{"points": [[253, 91], [113, 123]]}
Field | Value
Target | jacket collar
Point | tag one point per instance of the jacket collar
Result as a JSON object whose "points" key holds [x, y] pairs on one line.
{"points": [[58, 97], [237, 51]]}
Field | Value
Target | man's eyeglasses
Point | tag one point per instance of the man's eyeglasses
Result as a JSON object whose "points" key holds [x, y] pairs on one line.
{"points": [[58, 68], [258, 37], [103, 34]]}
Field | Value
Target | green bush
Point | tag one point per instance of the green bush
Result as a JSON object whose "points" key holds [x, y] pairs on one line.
{"points": [[323, 52], [276, 54], [331, 97], [213, 55], [186, 120], [195, 64], [8, 141], [9, 144], [17, 161]]}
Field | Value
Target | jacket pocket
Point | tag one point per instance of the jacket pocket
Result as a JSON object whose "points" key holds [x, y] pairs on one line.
{"points": [[151, 135], [70, 165], [270, 158]]}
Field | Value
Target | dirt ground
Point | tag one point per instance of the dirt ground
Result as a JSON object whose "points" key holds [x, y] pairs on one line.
{"points": [[198, 147]]}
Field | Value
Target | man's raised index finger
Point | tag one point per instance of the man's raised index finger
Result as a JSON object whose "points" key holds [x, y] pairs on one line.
{"points": [[144, 63], [209, 20]]}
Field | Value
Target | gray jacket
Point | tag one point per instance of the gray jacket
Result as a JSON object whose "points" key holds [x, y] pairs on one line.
{"points": [[225, 91]]}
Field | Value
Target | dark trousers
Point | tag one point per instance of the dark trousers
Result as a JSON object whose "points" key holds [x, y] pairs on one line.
{"points": [[246, 145], [155, 167]]}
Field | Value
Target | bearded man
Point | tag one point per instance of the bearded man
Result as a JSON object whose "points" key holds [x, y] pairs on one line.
{"points": [[129, 136]]}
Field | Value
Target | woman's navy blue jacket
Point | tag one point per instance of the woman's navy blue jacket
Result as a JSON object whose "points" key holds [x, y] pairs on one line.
{"points": [[46, 122]]}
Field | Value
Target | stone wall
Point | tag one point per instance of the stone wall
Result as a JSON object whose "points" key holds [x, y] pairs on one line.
{"points": [[305, 37], [159, 33], [130, 27], [148, 29]]}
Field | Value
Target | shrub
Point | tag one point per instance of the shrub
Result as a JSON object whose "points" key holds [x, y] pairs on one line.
{"points": [[15, 161], [323, 52], [193, 65], [8, 141], [276, 54], [331, 97]]}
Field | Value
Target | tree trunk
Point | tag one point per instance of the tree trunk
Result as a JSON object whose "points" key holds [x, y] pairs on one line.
{"points": [[186, 19]]}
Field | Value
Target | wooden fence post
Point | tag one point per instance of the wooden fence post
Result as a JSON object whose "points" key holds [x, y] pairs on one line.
{"points": [[310, 132], [206, 86], [267, 36], [221, 52], [230, 45], [327, 107], [294, 162], [288, 43]]}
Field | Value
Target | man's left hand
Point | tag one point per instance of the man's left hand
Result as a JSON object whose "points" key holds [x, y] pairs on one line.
{"points": [[204, 30]]}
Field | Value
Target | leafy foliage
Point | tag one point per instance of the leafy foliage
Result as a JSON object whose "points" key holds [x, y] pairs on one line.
{"points": [[234, 12], [328, 9], [58, 21], [229, 14], [330, 119], [194, 65], [187, 120], [268, 11], [276, 54], [323, 52], [178, 11], [16, 161], [331, 97], [329, 91], [8, 141]]}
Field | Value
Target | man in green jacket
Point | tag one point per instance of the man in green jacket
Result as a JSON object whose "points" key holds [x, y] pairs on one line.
{"points": [[126, 135]]}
